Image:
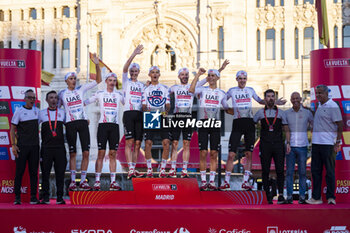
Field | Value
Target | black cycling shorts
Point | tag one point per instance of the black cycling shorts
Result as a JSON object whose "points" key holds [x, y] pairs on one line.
{"points": [[133, 124], [175, 132], [81, 127], [108, 132], [209, 134], [242, 126]]}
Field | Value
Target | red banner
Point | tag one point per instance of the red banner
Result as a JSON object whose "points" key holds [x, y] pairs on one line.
{"points": [[331, 67], [19, 71]]}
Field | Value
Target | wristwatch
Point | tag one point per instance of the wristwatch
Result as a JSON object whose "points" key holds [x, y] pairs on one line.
{"points": [[339, 142]]}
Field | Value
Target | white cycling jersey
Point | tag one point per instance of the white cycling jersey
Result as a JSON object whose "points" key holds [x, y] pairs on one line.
{"points": [[132, 94], [73, 101], [242, 101], [210, 101], [184, 98], [155, 97], [108, 102]]}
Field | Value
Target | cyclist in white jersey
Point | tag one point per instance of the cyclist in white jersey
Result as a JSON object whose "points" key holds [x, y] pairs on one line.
{"points": [[155, 98], [210, 99], [77, 122], [108, 128], [132, 117], [183, 112], [243, 124]]}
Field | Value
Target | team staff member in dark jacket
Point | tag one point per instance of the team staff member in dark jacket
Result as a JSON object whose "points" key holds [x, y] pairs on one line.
{"points": [[273, 122], [25, 146], [52, 147]]}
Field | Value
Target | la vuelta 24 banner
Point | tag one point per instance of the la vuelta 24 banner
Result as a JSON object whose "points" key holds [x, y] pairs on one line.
{"points": [[19, 71], [331, 67]]}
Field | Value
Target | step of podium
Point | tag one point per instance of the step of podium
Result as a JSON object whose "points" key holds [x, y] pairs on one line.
{"points": [[126, 185]]}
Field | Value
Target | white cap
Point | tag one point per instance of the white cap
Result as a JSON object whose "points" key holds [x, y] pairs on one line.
{"points": [[111, 74], [69, 74], [241, 72], [214, 71], [134, 65], [154, 68], [183, 69]]}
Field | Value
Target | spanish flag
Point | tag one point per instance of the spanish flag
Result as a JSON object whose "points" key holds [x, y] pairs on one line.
{"points": [[323, 31], [102, 65], [46, 78]]}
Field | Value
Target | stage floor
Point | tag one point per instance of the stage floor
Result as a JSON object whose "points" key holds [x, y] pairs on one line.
{"points": [[274, 218]]}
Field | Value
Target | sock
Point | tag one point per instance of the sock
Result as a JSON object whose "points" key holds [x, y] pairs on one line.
{"points": [[72, 175], [227, 177], [112, 176], [83, 176], [97, 176], [133, 165], [163, 164], [212, 176], [185, 165], [173, 165], [203, 175], [246, 176], [130, 166], [149, 163]]}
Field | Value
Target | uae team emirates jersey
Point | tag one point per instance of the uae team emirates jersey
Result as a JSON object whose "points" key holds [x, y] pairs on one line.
{"points": [[155, 97], [109, 104], [184, 98], [48, 138], [72, 100], [132, 94], [242, 101], [210, 101]]}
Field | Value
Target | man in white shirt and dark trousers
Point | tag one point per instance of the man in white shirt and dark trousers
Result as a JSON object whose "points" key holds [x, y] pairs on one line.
{"points": [[52, 147], [273, 122], [25, 145], [298, 119], [326, 138]]}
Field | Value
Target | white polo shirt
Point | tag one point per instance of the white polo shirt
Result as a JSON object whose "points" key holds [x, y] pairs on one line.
{"points": [[325, 128]]}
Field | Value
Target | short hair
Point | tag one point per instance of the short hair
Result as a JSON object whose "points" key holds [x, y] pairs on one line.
{"points": [[269, 91], [50, 92], [323, 87], [28, 91]]}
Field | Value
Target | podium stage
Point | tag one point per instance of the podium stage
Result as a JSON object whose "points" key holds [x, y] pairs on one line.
{"points": [[172, 206]]}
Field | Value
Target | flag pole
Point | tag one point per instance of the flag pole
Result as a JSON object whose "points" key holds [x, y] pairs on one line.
{"points": [[87, 48]]}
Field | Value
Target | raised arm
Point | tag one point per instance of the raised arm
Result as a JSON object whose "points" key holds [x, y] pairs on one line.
{"points": [[195, 80], [138, 50], [226, 62], [96, 61]]}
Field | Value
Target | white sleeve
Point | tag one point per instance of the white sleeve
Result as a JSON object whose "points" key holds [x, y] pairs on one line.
{"points": [[16, 117], [122, 100], [124, 80], [88, 86], [256, 97], [201, 82], [224, 103], [198, 90], [90, 100], [336, 114]]}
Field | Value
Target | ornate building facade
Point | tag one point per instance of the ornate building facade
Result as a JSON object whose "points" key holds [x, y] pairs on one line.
{"points": [[270, 39]]}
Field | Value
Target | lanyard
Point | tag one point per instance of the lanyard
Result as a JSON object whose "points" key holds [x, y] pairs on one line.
{"points": [[54, 134], [274, 120]]}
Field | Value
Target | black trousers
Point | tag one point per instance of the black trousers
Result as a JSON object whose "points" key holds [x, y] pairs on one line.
{"points": [[30, 154], [267, 152], [56, 156], [323, 156]]}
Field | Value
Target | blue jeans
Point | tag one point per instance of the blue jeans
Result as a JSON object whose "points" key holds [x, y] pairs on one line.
{"points": [[299, 155]]}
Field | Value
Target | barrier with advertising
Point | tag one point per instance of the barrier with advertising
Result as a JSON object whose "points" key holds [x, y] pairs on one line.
{"points": [[19, 71], [331, 67]]}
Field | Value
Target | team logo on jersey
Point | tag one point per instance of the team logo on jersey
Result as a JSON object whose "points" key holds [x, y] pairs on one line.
{"points": [[156, 99], [211, 99], [151, 120]]}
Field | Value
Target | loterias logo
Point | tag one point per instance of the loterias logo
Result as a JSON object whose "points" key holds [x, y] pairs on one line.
{"points": [[274, 229], [12, 63]]}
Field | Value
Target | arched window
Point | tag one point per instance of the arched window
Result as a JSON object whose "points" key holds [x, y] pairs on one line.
{"points": [[65, 11], [270, 44], [309, 1], [164, 56], [282, 44], [65, 53], [32, 44], [296, 43], [335, 37], [32, 13], [308, 40], [270, 2], [346, 36]]}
